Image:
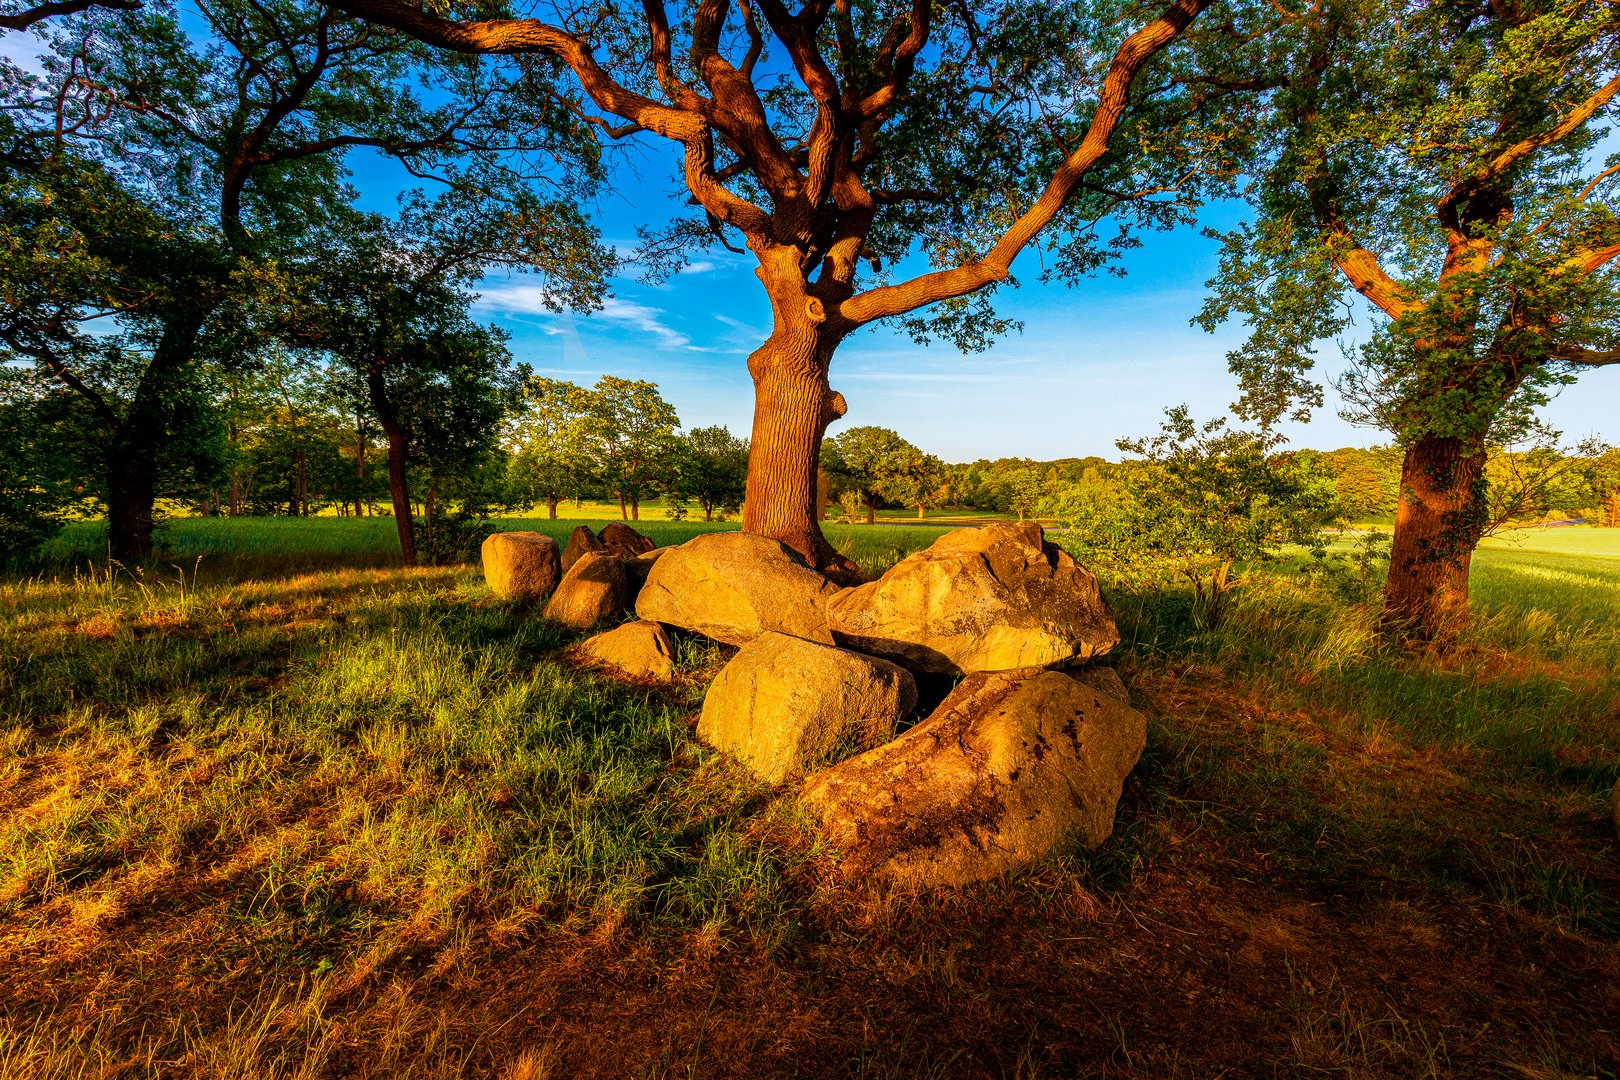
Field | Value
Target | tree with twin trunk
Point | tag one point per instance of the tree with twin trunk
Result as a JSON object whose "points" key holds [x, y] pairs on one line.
{"points": [[1442, 160], [845, 139], [405, 346]]}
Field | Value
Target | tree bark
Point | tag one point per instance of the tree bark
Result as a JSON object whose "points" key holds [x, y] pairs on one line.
{"points": [[399, 448], [133, 450], [793, 404], [624, 515], [399, 444], [131, 495], [1438, 520], [635, 509], [551, 506]]}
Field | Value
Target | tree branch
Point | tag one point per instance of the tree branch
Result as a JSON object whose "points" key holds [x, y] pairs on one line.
{"points": [[1574, 354], [510, 37], [1512, 155], [1133, 54], [24, 20]]}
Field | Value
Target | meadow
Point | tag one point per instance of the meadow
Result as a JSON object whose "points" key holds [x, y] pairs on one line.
{"points": [[275, 807]]}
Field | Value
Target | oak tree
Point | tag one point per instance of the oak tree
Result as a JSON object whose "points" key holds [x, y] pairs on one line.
{"points": [[845, 144], [1445, 162], [155, 180]]}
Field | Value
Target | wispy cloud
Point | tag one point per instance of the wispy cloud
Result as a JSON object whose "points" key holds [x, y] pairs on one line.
{"points": [[642, 318], [739, 325], [647, 319]]}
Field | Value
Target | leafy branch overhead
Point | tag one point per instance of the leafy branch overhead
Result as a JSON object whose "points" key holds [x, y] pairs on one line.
{"points": [[854, 135]]}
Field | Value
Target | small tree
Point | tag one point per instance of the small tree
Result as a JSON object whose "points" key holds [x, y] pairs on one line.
{"points": [[629, 435], [713, 470], [546, 436], [1025, 489], [878, 465], [1200, 500]]}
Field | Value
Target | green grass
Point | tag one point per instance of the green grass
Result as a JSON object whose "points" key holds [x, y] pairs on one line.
{"points": [[313, 815]]}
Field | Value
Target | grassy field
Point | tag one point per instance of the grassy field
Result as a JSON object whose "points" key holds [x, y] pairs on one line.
{"points": [[291, 811]]}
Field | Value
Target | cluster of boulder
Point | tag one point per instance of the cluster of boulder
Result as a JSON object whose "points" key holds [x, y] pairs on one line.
{"points": [[1030, 746]]}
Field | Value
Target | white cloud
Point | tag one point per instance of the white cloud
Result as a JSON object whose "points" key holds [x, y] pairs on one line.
{"points": [[515, 299], [648, 320], [531, 300], [739, 325]]}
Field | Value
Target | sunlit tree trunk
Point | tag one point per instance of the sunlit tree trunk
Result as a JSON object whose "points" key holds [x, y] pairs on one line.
{"points": [[1437, 523], [793, 405]]}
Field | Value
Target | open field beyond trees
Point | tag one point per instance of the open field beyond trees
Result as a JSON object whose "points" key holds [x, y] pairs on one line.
{"points": [[290, 810]]}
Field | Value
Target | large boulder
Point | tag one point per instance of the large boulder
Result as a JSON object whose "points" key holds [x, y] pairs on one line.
{"points": [[990, 599], [592, 591], [624, 541], [1008, 766], [641, 649], [733, 587], [786, 706], [520, 565], [580, 541], [638, 568]]}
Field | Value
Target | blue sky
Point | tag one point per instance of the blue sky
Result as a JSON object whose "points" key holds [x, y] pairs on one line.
{"points": [[1092, 365]]}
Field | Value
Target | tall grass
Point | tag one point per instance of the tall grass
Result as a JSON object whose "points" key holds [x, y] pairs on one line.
{"points": [[331, 773], [292, 807]]}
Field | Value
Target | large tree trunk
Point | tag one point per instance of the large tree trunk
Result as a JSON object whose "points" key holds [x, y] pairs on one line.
{"points": [[1437, 523], [793, 404], [131, 495], [551, 506], [399, 450], [624, 515]]}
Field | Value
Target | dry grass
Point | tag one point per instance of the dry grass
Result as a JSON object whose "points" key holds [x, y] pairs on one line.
{"points": [[365, 822]]}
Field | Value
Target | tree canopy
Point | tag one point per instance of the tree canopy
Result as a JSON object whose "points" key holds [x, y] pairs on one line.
{"points": [[1445, 162], [843, 144]]}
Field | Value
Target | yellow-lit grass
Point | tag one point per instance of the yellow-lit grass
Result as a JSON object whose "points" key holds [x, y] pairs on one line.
{"points": [[368, 822]]}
